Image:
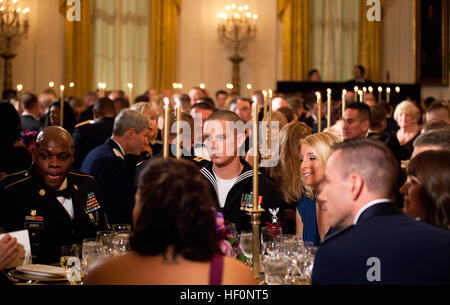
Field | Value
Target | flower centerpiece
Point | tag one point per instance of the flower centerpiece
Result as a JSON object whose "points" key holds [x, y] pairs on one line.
{"points": [[229, 243]]}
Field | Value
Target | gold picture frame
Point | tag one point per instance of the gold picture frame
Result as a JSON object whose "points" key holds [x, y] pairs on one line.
{"points": [[431, 41]]}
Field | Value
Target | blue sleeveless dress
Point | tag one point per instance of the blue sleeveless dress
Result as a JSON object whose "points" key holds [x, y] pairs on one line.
{"points": [[306, 207]]}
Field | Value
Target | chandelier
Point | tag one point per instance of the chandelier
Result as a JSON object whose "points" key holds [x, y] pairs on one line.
{"points": [[237, 28], [13, 25]]}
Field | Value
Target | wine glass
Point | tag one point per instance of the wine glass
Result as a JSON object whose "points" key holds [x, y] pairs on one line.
{"points": [[246, 244], [270, 234], [70, 261], [275, 269], [121, 228], [106, 238]]}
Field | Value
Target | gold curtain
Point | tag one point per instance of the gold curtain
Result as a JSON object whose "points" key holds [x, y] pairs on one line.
{"points": [[163, 43], [78, 61], [295, 17], [370, 43]]}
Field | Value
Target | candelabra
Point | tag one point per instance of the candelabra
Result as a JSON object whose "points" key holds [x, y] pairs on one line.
{"points": [[237, 28], [13, 26]]}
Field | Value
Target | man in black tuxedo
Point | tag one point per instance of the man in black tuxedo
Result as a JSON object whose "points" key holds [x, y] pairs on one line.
{"points": [[90, 134], [376, 243]]}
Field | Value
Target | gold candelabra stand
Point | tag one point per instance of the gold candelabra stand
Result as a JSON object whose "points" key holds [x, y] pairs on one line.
{"points": [[13, 26], [236, 29]]}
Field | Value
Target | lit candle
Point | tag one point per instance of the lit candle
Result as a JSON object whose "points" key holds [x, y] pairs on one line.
{"points": [[319, 112], [397, 89], [380, 91], [265, 105], [355, 89], [388, 93], [328, 109], [269, 146], [344, 93], [360, 93], [255, 154], [178, 116], [72, 84], [166, 129], [202, 86], [371, 89], [364, 94], [51, 84], [20, 89], [130, 92], [61, 107]]}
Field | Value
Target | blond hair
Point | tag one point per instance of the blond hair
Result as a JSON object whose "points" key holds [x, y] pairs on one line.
{"points": [[320, 144], [409, 108], [287, 173]]}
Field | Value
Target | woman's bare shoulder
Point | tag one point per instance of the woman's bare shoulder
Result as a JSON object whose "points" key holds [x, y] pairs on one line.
{"points": [[236, 272]]}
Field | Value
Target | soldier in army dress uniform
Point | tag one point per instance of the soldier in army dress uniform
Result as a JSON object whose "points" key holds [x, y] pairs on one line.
{"points": [[57, 206]]}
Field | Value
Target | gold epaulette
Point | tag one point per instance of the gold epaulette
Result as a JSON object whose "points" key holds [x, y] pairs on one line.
{"points": [[85, 123], [80, 174], [13, 179]]}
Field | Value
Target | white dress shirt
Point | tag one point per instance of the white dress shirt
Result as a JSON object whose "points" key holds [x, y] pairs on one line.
{"points": [[66, 202], [365, 207]]}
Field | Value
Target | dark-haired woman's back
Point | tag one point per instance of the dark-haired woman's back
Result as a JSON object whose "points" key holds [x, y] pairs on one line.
{"points": [[136, 269]]}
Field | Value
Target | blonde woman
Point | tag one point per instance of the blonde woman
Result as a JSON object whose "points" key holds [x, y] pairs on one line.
{"points": [[407, 116], [311, 219], [149, 112]]}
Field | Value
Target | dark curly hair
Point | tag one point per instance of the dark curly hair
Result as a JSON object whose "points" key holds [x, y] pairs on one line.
{"points": [[433, 171], [176, 210]]}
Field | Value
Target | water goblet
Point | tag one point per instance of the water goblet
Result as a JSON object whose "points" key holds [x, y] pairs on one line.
{"points": [[246, 244], [70, 261]]}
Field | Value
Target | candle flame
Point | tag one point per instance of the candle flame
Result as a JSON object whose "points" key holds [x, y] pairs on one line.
{"points": [[380, 89], [344, 92], [180, 86], [397, 89], [72, 84], [328, 90], [370, 89], [51, 84], [202, 86], [249, 86], [388, 90], [61, 87], [130, 85], [166, 101], [356, 88], [19, 87]]}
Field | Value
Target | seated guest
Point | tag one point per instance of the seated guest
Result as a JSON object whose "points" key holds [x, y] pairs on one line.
{"points": [[297, 107], [195, 94], [279, 102], [312, 218], [175, 234], [438, 111], [356, 121], [434, 125], [432, 140], [31, 113], [89, 100], [370, 99], [378, 131], [286, 175], [57, 206], [391, 124], [90, 134], [77, 107], [53, 116], [221, 99], [14, 155], [148, 111], [185, 102], [8, 251], [426, 190], [230, 177], [200, 112], [407, 116], [376, 243], [288, 113], [120, 103], [116, 178]]}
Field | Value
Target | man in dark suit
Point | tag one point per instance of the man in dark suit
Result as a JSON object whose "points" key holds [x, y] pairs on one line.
{"points": [[376, 243], [90, 134], [30, 115], [108, 165], [57, 206]]}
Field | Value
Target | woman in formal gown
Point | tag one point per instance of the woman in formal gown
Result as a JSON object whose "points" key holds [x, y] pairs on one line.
{"points": [[407, 116], [427, 188], [312, 223], [175, 240]]}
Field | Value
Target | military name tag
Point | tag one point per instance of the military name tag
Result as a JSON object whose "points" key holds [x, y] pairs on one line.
{"points": [[34, 225]]}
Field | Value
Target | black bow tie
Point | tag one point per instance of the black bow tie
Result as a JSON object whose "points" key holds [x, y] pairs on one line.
{"points": [[66, 193]]}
